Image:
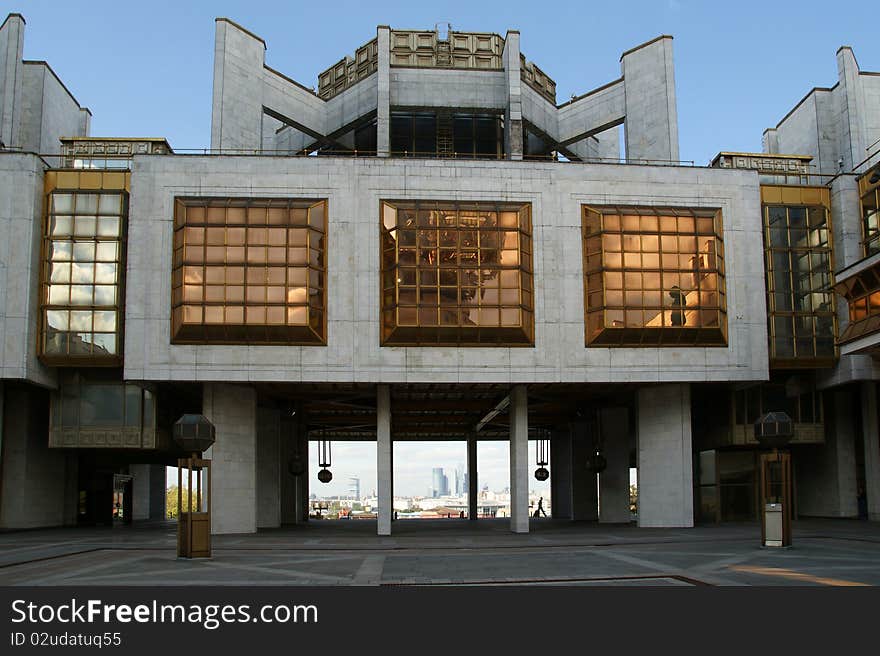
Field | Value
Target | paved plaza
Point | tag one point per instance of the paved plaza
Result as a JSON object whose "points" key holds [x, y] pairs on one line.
{"points": [[824, 552]]}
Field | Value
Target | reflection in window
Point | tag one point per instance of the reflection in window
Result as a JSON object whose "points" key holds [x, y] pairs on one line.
{"points": [[456, 273], [81, 291], [870, 217], [798, 263], [249, 271], [97, 403], [444, 134], [654, 276]]}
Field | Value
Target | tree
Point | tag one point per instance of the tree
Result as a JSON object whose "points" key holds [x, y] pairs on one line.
{"points": [[171, 501], [633, 498]]}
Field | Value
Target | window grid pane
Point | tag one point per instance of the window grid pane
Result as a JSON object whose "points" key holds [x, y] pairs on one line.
{"points": [[82, 271], [801, 317], [249, 271], [653, 276], [456, 273]]}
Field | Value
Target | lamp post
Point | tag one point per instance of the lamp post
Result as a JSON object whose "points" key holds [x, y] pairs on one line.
{"points": [[774, 430], [194, 434]]}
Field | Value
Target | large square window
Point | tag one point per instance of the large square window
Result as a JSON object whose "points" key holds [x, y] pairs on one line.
{"points": [[653, 276], [456, 273], [83, 266], [249, 271]]}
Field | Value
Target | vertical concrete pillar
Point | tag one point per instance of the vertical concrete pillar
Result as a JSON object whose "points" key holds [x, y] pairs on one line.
{"points": [[584, 491], [560, 473], [268, 468], [513, 121], [233, 411], [34, 478], [826, 474], [158, 495], [302, 482], [651, 124], [383, 107], [851, 126], [666, 496], [472, 490], [519, 460], [384, 465], [140, 491], [11, 76], [237, 106], [614, 481], [871, 437]]}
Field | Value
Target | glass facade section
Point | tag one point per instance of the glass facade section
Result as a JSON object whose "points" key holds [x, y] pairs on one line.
{"points": [[456, 273], [797, 240], [83, 266], [870, 216], [249, 271], [654, 276], [101, 411], [431, 134]]}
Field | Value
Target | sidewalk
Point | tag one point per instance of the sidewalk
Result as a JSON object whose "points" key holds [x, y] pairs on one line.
{"points": [[429, 552]]}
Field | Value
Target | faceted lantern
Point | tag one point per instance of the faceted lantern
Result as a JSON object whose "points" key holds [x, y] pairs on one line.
{"points": [[774, 430], [596, 463], [194, 433], [542, 474]]}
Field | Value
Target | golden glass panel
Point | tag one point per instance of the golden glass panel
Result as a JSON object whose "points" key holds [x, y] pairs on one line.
{"points": [[251, 268], [649, 259]]}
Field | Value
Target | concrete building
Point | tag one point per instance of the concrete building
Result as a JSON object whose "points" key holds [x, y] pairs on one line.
{"points": [[430, 247]]}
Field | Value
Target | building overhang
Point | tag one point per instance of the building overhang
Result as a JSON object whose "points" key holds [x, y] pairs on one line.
{"points": [[855, 282]]}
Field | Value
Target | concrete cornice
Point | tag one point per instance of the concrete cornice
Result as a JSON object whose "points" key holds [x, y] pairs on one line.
{"points": [[243, 29], [645, 45]]}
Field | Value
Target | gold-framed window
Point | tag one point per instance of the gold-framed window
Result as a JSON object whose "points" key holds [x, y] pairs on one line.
{"points": [[83, 268], [870, 202], [249, 271], [456, 273], [653, 276], [798, 263]]}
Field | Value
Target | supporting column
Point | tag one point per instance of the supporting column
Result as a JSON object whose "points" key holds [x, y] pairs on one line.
{"points": [[140, 491], [666, 490], [472, 477], [519, 460], [268, 468], [383, 106], [384, 467], [34, 480], [871, 437], [614, 481], [826, 474], [233, 411], [560, 473], [584, 492], [158, 495], [513, 121]]}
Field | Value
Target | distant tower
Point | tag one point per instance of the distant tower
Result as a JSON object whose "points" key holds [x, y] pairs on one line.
{"points": [[354, 487], [440, 487]]}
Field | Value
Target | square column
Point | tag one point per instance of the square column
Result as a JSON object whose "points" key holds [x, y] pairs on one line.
{"points": [[584, 490], [472, 477], [666, 472], [560, 473], [158, 496], [871, 438], [614, 481], [269, 467], [140, 491], [384, 465], [233, 411], [519, 460]]}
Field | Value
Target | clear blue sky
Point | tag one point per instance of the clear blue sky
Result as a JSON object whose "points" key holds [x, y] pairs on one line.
{"points": [[145, 68]]}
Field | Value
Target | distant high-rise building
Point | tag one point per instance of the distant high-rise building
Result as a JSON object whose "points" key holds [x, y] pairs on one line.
{"points": [[440, 486], [354, 487]]}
